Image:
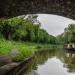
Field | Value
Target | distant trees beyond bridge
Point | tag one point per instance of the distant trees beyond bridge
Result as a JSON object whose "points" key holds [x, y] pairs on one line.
{"points": [[10, 8]]}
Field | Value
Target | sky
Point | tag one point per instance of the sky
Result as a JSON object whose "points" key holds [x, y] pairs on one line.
{"points": [[54, 24]]}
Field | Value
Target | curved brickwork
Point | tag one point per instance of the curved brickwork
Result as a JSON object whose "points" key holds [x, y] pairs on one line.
{"points": [[10, 8]]}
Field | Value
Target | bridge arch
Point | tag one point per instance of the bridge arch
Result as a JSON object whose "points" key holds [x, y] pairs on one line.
{"points": [[10, 8]]}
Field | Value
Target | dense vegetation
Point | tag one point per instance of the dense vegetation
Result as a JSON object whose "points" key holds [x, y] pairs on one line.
{"points": [[20, 29], [68, 36], [16, 50], [24, 35]]}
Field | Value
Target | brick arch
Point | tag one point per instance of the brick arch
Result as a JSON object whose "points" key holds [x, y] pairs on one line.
{"points": [[10, 8]]}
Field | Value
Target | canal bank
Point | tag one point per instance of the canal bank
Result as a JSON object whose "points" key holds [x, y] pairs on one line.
{"points": [[45, 62], [16, 68], [15, 56], [19, 68]]}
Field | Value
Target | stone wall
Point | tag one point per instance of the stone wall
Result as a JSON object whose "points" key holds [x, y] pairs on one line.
{"points": [[10, 8], [16, 68]]}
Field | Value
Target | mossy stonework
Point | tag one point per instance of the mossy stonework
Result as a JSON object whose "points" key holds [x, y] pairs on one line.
{"points": [[10, 8]]}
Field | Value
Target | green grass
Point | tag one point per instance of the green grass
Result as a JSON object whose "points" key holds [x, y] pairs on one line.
{"points": [[5, 47], [25, 49]]}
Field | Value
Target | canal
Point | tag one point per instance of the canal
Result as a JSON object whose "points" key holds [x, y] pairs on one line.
{"points": [[52, 62]]}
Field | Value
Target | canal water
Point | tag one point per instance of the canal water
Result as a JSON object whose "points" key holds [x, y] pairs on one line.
{"points": [[52, 62]]}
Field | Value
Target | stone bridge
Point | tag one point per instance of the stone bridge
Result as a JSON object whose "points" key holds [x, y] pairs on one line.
{"points": [[10, 8]]}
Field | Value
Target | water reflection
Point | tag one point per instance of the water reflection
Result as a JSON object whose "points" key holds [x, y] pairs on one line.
{"points": [[69, 61], [53, 62]]}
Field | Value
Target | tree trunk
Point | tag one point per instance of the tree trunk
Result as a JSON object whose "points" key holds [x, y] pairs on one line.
{"points": [[9, 36]]}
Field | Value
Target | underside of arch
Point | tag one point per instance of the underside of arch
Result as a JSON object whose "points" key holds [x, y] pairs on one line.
{"points": [[10, 8]]}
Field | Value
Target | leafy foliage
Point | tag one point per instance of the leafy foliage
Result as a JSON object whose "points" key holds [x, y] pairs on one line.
{"points": [[68, 35], [24, 30]]}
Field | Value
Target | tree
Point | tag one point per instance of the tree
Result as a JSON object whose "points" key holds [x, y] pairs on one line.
{"points": [[68, 35], [18, 28]]}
